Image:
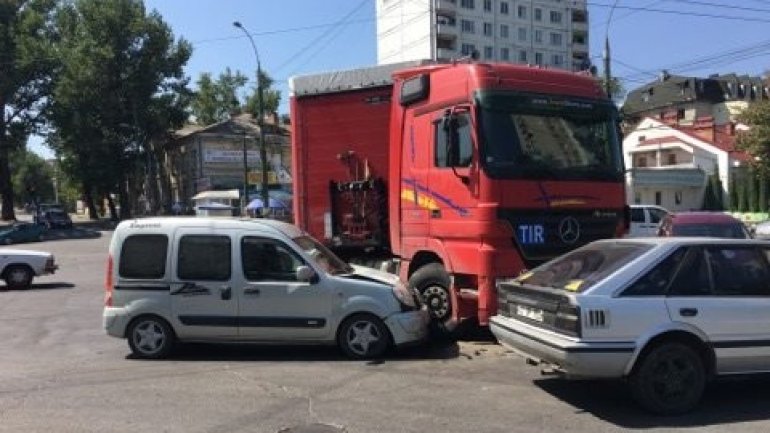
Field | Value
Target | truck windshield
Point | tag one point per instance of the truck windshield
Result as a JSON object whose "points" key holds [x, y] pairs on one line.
{"points": [[322, 256], [548, 137]]}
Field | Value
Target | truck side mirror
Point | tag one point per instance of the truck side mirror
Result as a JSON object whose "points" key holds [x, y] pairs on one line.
{"points": [[452, 139]]}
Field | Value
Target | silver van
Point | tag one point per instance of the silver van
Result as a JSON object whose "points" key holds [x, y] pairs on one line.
{"points": [[264, 281]]}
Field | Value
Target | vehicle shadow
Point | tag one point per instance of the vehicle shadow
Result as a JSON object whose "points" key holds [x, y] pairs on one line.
{"points": [[40, 286], [73, 233], [258, 352], [726, 401]]}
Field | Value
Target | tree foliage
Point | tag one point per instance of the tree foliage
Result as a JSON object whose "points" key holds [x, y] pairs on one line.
{"points": [[617, 90], [26, 63], [756, 140], [33, 176], [272, 97], [120, 84], [216, 100]]}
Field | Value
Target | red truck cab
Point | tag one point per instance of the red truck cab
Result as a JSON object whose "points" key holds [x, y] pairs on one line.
{"points": [[464, 174]]}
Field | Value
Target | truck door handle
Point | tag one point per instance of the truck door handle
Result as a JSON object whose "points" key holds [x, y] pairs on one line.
{"points": [[252, 291], [688, 312], [225, 293]]}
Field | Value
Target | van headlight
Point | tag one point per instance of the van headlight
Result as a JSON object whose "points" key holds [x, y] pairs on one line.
{"points": [[404, 297]]}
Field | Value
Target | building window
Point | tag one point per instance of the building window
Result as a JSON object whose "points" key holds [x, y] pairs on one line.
{"points": [[521, 12], [503, 31], [678, 197], [504, 55], [538, 14], [672, 158], [466, 26], [539, 36], [522, 34], [467, 49], [680, 113], [555, 17], [487, 29], [557, 60], [488, 5], [641, 161], [556, 39], [504, 8], [658, 198], [523, 56], [637, 198], [538, 58], [467, 4], [488, 52]]}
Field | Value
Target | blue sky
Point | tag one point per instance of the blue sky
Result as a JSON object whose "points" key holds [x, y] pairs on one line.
{"points": [[688, 37]]}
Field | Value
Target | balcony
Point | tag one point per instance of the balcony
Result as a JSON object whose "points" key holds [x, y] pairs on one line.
{"points": [[446, 53], [446, 27], [446, 6], [578, 26]]}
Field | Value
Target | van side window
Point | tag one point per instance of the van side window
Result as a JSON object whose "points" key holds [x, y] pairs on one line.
{"points": [[268, 260], [637, 215], [204, 258], [656, 215], [143, 257]]}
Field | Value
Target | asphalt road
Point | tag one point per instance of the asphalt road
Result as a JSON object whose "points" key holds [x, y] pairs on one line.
{"points": [[59, 372]]}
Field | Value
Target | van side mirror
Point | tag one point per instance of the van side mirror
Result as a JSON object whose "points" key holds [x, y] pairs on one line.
{"points": [[306, 274]]}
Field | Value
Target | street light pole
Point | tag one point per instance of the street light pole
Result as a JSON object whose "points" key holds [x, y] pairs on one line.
{"points": [[606, 56], [261, 124]]}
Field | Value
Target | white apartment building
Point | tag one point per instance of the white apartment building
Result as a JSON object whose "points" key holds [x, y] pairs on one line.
{"points": [[552, 33]]}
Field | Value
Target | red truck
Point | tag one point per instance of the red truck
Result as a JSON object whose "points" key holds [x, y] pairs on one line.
{"points": [[461, 174]]}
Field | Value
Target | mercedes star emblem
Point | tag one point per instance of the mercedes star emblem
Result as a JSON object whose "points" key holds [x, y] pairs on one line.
{"points": [[569, 230]]}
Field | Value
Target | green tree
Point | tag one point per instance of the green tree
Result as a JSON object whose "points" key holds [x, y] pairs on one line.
{"points": [[752, 192], [756, 141], [617, 90], [26, 62], [272, 97], [120, 85], [712, 198], [36, 175], [215, 101]]}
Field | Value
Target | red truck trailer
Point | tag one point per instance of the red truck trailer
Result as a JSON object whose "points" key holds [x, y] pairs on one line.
{"points": [[462, 174]]}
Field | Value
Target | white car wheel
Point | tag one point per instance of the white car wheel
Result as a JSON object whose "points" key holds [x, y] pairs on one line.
{"points": [[364, 336], [151, 337]]}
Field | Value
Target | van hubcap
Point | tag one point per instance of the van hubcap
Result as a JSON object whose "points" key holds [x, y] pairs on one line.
{"points": [[149, 337], [361, 336]]}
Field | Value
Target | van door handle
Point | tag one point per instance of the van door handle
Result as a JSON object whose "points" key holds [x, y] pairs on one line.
{"points": [[688, 312], [252, 291], [225, 293]]}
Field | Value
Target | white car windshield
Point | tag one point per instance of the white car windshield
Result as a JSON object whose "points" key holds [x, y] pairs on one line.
{"points": [[322, 256]]}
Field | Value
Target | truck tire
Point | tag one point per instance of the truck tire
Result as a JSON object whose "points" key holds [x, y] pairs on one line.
{"points": [[433, 283], [669, 379]]}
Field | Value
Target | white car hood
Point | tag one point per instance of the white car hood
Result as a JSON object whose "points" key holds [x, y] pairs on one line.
{"points": [[30, 253]]}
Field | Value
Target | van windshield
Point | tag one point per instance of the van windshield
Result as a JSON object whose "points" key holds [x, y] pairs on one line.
{"points": [[580, 269], [321, 255]]}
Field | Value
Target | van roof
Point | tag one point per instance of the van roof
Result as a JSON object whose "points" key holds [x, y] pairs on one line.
{"points": [[287, 229]]}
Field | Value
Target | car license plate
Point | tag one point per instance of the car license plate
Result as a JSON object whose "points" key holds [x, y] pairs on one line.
{"points": [[535, 314]]}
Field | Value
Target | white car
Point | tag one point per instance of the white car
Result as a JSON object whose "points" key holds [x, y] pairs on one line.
{"points": [[645, 219], [19, 267], [229, 280], [667, 314]]}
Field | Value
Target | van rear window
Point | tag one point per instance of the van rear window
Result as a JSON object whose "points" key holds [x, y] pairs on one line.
{"points": [[143, 257]]}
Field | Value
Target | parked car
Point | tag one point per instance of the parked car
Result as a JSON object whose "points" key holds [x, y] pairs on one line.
{"points": [[19, 267], [21, 232], [645, 219], [712, 224], [55, 218], [270, 282], [667, 314]]}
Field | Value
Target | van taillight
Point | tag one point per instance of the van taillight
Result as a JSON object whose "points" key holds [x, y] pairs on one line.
{"points": [[108, 283]]}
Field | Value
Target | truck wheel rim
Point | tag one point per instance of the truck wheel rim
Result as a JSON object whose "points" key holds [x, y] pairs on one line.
{"points": [[361, 336], [149, 337], [437, 299]]}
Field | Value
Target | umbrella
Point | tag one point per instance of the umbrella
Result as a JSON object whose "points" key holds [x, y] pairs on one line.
{"points": [[272, 203]]}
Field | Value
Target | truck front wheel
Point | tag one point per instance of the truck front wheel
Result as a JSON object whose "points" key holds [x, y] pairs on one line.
{"points": [[433, 283]]}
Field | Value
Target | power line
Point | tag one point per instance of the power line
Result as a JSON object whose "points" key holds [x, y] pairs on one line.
{"points": [[690, 14], [717, 5]]}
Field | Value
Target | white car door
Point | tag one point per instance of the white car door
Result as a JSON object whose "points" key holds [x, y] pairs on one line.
{"points": [[202, 298], [273, 305], [724, 290]]}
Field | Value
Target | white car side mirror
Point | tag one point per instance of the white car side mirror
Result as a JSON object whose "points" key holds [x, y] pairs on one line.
{"points": [[306, 274]]}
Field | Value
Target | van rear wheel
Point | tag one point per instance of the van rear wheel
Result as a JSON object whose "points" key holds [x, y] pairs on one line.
{"points": [[151, 337]]}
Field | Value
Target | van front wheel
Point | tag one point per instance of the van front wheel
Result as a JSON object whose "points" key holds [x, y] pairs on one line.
{"points": [[151, 337]]}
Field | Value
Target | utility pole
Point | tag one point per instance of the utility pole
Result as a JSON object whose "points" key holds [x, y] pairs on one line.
{"points": [[261, 124]]}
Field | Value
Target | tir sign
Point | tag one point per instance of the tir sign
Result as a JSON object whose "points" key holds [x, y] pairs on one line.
{"points": [[531, 234]]}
